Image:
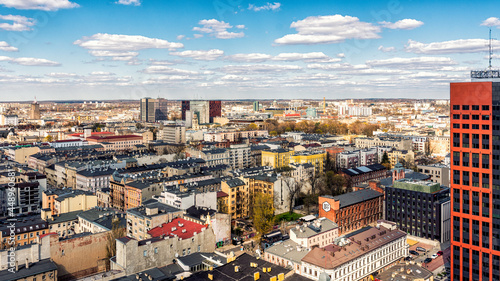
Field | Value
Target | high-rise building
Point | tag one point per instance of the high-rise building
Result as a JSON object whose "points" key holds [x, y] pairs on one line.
{"points": [[153, 110], [161, 109], [256, 106], [215, 109], [35, 110], [205, 110], [475, 183]]}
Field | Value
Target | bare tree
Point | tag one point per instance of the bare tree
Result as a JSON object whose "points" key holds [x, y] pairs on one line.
{"points": [[293, 188]]}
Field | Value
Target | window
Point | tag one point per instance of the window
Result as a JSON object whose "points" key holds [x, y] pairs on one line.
{"points": [[456, 126], [456, 116], [486, 127], [62, 252], [465, 126], [156, 250], [475, 126], [486, 107], [486, 117], [475, 107], [466, 117], [465, 107], [456, 107], [145, 253], [475, 117]]}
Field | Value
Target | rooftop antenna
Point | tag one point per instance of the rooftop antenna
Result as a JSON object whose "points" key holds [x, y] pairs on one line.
{"points": [[488, 73]]}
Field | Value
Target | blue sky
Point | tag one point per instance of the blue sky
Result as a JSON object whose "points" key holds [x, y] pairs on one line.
{"points": [[235, 49]]}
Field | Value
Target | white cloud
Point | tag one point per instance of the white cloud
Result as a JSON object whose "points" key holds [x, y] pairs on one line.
{"points": [[29, 61], [371, 71], [61, 75], [402, 24], [386, 49], [252, 57], [122, 47], [268, 6], [44, 5], [116, 55], [491, 22], [19, 23], [171, 79], [336, 66], [240, 26], [258, 68], [218, 29], [340, 55], [196, 36], [180, 37], [307, 57], [450, 47], [413, 63], [159, 69], [129, 2], [4, 46], [328, 30], [200, 55]]}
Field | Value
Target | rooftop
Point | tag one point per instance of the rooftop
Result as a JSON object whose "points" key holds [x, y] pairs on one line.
{"points": [[361, 243], [314, 228], [355, 197], [403, 272], [177, 227], [39, 267], [417, 185], [364, 169]]}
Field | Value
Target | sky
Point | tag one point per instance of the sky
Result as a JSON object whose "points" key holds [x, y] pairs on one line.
{"points": [[236, 49]]}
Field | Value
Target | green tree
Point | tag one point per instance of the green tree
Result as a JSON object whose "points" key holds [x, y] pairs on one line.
{"points": [[385, 161], [263, 212], [334, 184], [48, 138], [116, 232], [139, 126]]}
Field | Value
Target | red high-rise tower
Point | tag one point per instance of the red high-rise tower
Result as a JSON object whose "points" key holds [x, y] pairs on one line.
{"points": [[475, 187]]}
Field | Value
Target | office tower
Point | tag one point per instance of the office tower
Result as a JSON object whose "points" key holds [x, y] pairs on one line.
{"points": [[148, 110], [256, 106], [35, 110], [185, 106], [475, 185], [215, 109], [153, 110], [161, 109]]}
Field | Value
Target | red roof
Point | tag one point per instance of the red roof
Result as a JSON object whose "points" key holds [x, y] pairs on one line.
{"points": [[113, 137], [47, 234], [71, 140], [92, 134], [221, 194], [182, 228]]}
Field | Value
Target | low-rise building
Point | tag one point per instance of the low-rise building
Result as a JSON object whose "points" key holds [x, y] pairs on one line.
{"points": [[315, 158], [25, 232], [320, 232], [352, 210], [439, 173], [357, 256], [45, 270], [363, 174], [151, 214]]}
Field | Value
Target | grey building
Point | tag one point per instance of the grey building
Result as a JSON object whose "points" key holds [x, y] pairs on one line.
{"points": [[420, 208], [439, 173]]}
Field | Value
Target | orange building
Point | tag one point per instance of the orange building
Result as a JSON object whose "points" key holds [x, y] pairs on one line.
{"points": [[352, 210], [26, 231], [475, 183]]}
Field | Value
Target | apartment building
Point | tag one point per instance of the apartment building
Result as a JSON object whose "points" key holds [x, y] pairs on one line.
{"points": [[439, 173]]}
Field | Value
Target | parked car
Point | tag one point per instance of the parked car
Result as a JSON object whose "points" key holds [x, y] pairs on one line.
{"points": [[415, 253], [427, 260], [434, 256], [408, 258], [420, 249], [439, 253]]}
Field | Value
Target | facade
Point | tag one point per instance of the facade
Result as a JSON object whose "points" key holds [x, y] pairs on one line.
{"points": [[239, 156], [362, 254], [9, 120], [175, 133], [475, 186], [74, 201], [152, 110], [236, 203], [35, 111], [356, 158], [396, 156], [276, 158], [126, 195], [67, 143], [419, 208], [352, 210], [233, 136], [315, 158], [439, 173], [256, 106], [161, 110], [23, 197], [93, 180]]}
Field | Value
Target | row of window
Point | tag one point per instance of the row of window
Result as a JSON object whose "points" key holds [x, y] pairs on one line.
{"points": [[474, 126], [468, 117], [474, 107]]}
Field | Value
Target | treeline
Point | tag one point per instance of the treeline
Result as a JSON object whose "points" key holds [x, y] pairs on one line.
{"points": [[324, 127]]}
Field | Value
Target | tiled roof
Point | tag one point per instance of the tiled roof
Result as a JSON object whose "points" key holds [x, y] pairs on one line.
{"points": [[177, 227]]}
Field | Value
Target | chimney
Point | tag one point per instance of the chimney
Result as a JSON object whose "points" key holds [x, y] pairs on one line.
{"points": [[27, 263], [17, 266]]}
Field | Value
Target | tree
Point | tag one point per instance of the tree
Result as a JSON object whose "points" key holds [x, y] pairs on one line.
{"points": [[334, 184], [263, 212], [313, 179], [48, 138], [139, 126], [385, 161], [293, 188], [116, 232]]}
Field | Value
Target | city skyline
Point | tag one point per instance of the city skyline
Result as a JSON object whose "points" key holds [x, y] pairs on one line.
{"points": [[129, 49]]}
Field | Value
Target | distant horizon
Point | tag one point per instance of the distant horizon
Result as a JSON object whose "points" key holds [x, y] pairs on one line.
{"points": [[191, 50]]}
